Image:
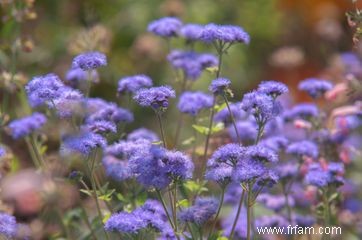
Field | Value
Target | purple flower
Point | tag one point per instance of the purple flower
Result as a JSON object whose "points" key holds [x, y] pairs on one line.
{"points": [[191, 63], [304, 221], [269, 178], [101, 127], [315, 87], [157, 167], [193, 102], [246, 129], [219, 85], [143, 133], [304, 111], [2, 151], [24, 126], [69, 103], [274, 202], [8, 225], [116, 169], [191, 32], [42, 89], [89, 60], [287, 171], [224, 33], [108, 112], [272, 88], [248, 170], [261, 153], [320, 177], [76, 76], [276, 143], [303, 148], [131, 84], [155, 97], [125, 223], [230, 153], [260, 105], [165, 27], [224, 115], [83, 143], [202, 210]]}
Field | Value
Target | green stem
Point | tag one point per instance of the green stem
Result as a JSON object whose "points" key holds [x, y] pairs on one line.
{"points": [[218, 211], [94, 189], [237, 214], [32, 154], [175, 206], [161, 129], [36, 151], [166, 211], [86, 220], [327, 213], [208, 136], [232, 118], [248, 213]]}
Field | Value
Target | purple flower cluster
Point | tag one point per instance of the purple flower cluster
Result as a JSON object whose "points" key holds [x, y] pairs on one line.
{"points": [[83, 143], [202, 210], [191, 32], [157, 167], [191, 63], [246, 129], [193, 102], [315, 87], [272, 88], [149, 216], [224, 33], [89, 60], [77, 76], [27, 125], [219, 86], [8, 225], [304, 111], [165, 27], [303, 148], [143, 133], [224, 114], [155, 97], [107, 111], [131, 84], [275, 202], [320, 176]]}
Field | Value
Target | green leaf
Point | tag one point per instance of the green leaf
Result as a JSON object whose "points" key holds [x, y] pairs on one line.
{"points": [[141, 198], [188, 141], [222, 238], [205, 130], [218, 107], [333, 197], [183, 203], [107, 196], [212, 70], [195, 187], [85, 191], [218, 127], [106, 217], [120, 197]]}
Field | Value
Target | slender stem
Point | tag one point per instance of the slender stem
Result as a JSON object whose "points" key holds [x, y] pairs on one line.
{"points": [[232, 118], [201, 233], [248, 213], [88, 83], [94, 188], [287, 204], [166, 211], [219, 50], [174, 206], [32, 154], [36, 151], [178, 128], [208, 136], [86, 220], [161, 128], [218, 211], [237, 214], [327, 213]]}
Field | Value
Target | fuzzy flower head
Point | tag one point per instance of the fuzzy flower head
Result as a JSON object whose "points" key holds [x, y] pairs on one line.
{"points": [[108, 111], [275, 143], [193, 102], [43, 89], [224, 33], [165, 27], [177, 165], [315, 87], [260, 105], [68, 104], [321, 176], [247, 131], [261, 153], [303, 148], [83, 143], [272, 88], [191, 32], [22, 127], [143, 133], [101, 127], [89, 60], [305, 111], [155, 97], [224, 115], [249, 170], [287, 171], [131, 84], [8, 225], [116, 169], [77, 76], [275, 202], [202, 210], [220, 86], [191, 63]]}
